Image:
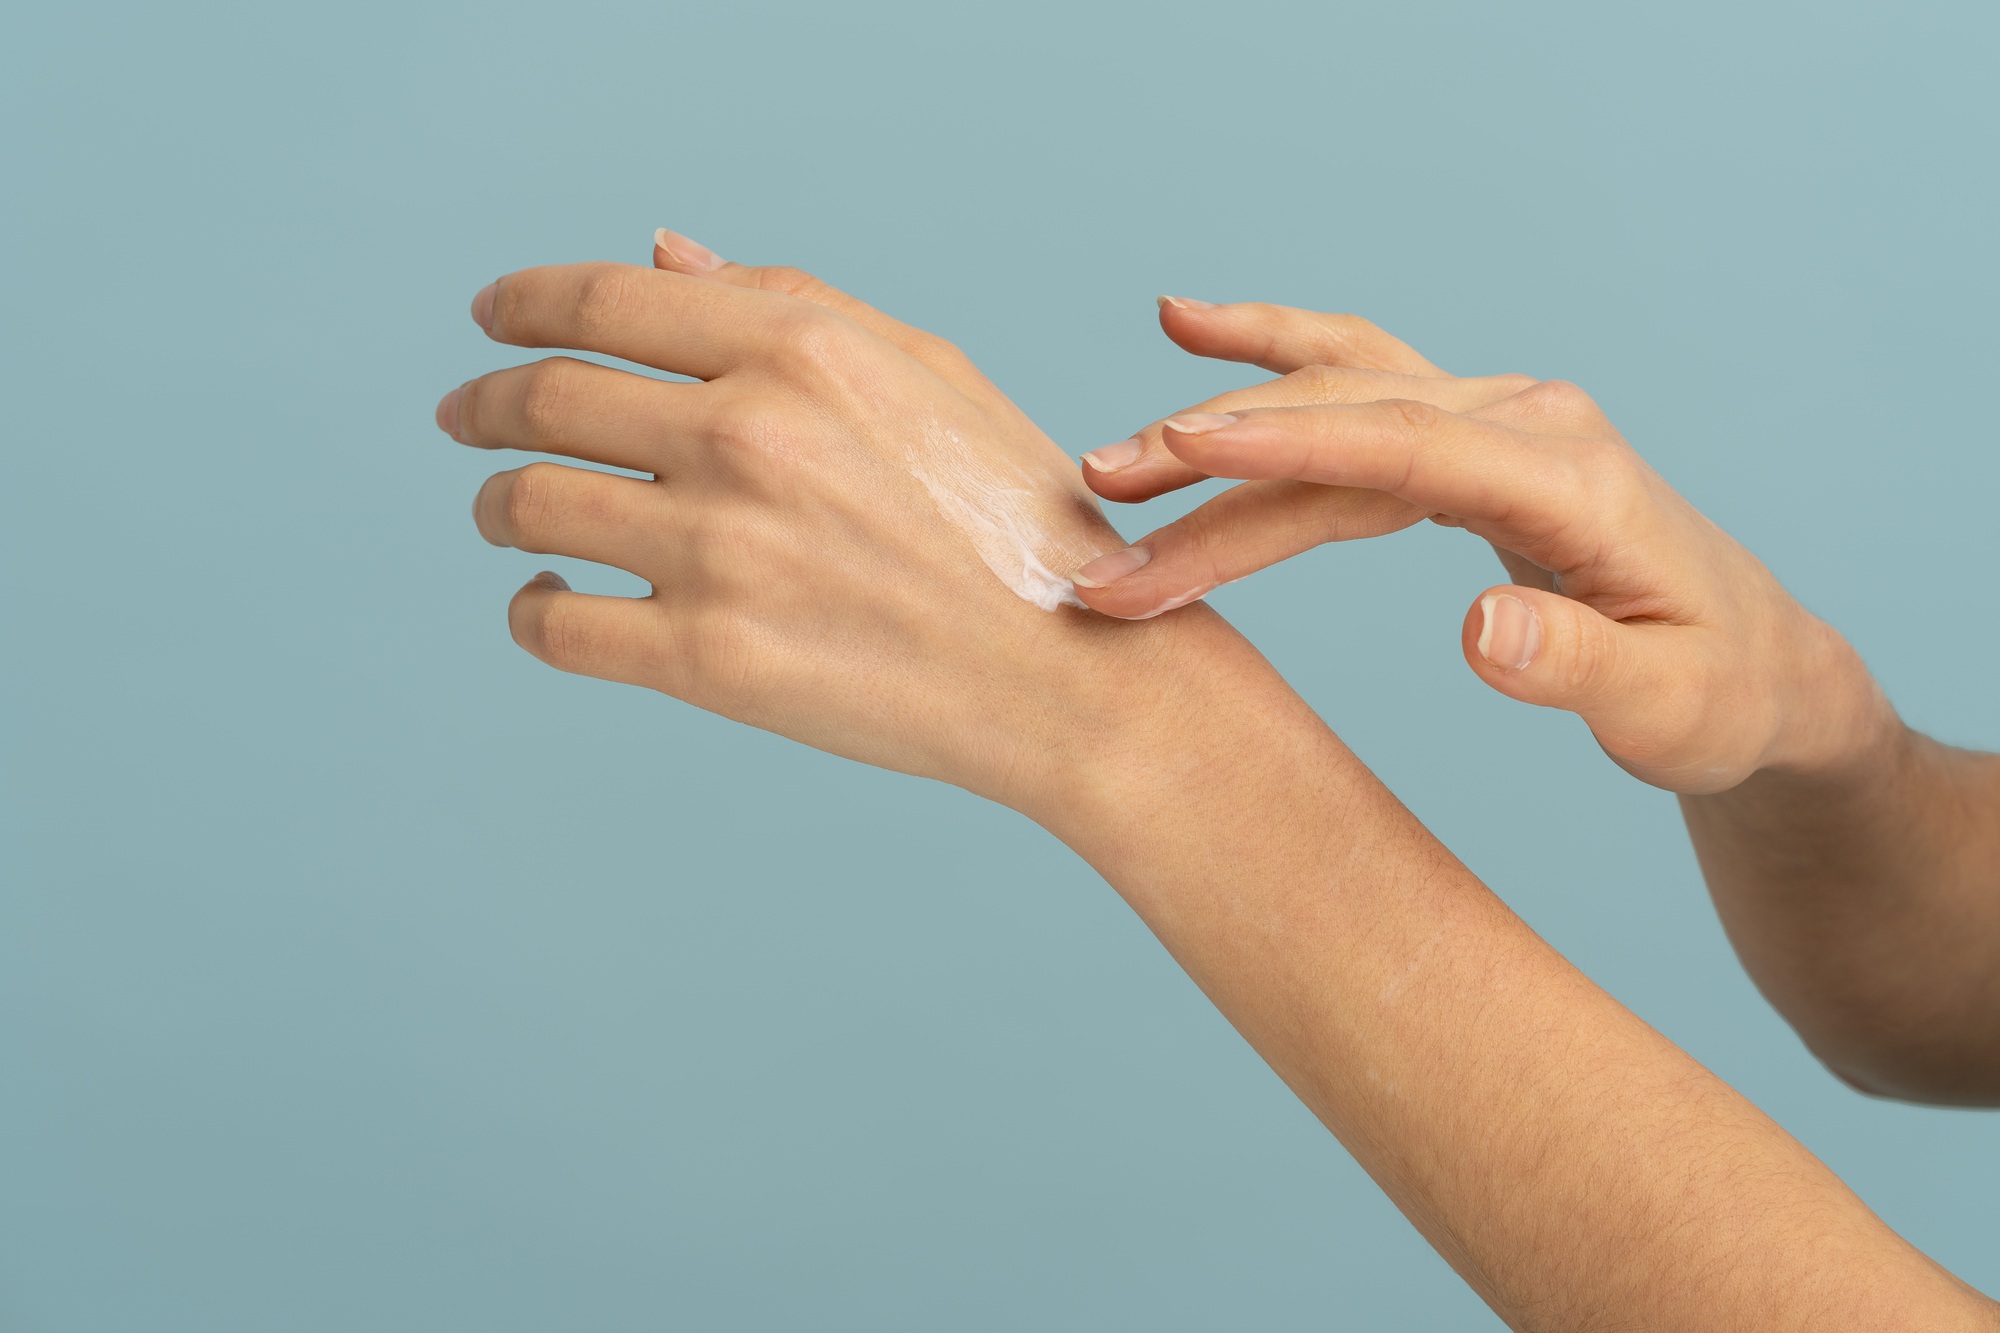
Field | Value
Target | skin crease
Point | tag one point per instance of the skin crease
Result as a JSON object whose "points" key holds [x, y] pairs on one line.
{"points": [[1854, 863], [1576, 1168]]}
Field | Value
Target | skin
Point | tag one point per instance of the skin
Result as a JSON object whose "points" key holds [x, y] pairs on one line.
{"points": [[1854, 863], [1575, 1167]]}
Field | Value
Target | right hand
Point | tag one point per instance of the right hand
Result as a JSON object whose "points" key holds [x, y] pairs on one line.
{"points": [[1692, 666]]}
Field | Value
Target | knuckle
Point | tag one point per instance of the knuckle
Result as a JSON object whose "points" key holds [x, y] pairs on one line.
{"points": [[1201, 541], [1559, 399], [1606, 470], [605, 299], [555, 634], [790, 281], [744, 426], [1411, 417], [1349, 333], [812, 341], [936, 351], [1314, 382], [1584, 665], [533, 499], [547, 397]]}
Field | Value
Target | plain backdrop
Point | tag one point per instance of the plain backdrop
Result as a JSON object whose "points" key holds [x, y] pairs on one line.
{"points": [[359, 972]]}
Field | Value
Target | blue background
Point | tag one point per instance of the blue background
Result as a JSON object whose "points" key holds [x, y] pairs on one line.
{"points": [[356, 971]]}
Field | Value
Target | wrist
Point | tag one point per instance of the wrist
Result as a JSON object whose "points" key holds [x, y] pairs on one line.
{"points": [[1833, 718], [1199, 710]]}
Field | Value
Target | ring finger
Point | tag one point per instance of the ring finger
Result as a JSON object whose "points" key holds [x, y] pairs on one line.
{"points": [[554, 510]]}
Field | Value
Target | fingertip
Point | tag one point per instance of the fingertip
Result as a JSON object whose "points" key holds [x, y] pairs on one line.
{"points": [[482, 307], [447, 412], [683, 253], [1138, 483], [550, 581], [1115, 457]]}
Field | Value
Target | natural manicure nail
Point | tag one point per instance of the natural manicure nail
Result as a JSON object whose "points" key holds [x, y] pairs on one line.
{"points": [[1108, 569], [1201, 423], [1511, 634], [1185, 303], [687, 253], [1114, 456]]}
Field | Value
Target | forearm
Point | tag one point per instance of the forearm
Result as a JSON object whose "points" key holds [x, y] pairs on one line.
{"points": [[1861, 888], [1573, 1165]]}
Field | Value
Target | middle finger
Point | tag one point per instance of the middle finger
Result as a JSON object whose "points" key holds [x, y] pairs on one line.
{"points": [[577, 409], [1149, 469]]}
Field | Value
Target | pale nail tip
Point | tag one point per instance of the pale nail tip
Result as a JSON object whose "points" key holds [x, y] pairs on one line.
{"points": [[1098, 464], [1199, 423], [1082, 582], [1485, 644]]}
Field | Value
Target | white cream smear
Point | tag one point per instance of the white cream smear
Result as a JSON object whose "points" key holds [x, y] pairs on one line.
{"points": [[1011, 515]]}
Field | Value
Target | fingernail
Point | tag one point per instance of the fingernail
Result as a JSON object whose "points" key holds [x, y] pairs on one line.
{"points": [[482, 306], [688, 254], [1185, 303], [1201, 423], [548, 578], [1108, 569], [447, 413], [1114, 456], [1511, 634]]}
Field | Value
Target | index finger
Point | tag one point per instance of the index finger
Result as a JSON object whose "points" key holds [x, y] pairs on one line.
{"points": [[1503, 481], [668, 321]]}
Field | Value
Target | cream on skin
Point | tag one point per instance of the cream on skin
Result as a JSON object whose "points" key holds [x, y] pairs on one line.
{"points": [[1031, 521], [1022, 521]]}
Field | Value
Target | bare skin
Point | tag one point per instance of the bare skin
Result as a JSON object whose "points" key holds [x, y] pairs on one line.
{"points": [[1575, 1167], [1855, 864]]}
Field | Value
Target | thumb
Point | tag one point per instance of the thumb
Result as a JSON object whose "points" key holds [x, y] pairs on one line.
{"points": [[1655, 696], [1544, 648]]}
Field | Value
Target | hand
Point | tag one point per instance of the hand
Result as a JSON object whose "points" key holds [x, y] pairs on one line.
{"points": [[852, 538], [1691, 665]]}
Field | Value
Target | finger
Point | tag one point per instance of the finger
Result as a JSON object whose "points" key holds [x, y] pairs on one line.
{"points": [[677, 253], [669, 321], [1237, 533], [575, 408], [1621, 677], [554, 510], [1143, 467], [1282, 338], [1514, 488], [613, 638]]}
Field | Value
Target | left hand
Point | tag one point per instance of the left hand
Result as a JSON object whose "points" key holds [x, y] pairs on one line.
{"points": [[853, 539]]}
